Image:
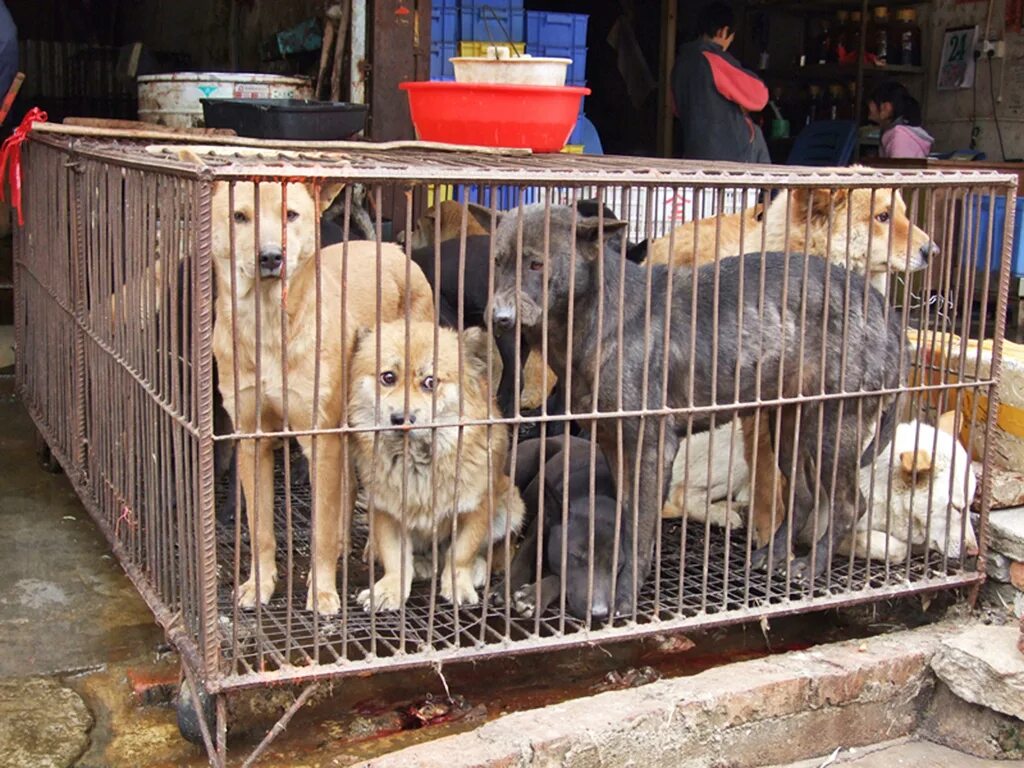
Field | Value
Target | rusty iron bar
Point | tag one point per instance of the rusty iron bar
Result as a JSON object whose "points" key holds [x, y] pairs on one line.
{"points": [[281, 724]]}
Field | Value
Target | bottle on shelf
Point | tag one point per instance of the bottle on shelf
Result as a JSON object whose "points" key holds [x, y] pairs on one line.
{"points": [[878, 36], [816, 104], [839, 42], [906, 39], [825, 53], [851, 39], [838, 105]]}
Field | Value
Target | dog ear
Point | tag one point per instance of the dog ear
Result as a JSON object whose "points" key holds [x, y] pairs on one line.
{"points": [[588, 229], [475, 343], [822, 203], [359, 338], [482, 216], [329, 190]]}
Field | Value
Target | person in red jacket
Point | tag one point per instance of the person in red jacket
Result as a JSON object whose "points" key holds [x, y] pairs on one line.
{"points": [[714, 94]]}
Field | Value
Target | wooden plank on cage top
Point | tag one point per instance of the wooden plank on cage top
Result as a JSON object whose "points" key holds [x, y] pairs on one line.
{"points": [[159, 132]]}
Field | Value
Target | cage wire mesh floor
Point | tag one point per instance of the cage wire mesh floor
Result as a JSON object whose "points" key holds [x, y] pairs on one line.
{"points": [[701, 575]]}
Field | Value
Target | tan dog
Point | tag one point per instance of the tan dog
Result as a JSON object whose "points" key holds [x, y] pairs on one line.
{"points": [[449, 213], [874, 217], [419, 478], [260, 267]]}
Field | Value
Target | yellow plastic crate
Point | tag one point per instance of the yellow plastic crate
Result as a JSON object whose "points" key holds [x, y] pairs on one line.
{"points": [[444, 192], [479, 47]]}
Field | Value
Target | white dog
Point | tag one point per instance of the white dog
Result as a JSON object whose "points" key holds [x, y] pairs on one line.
{"points": [[932, 474]]}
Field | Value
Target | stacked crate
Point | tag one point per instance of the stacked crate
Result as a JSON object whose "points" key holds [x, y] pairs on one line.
{"points": [[444, 38], [467, 27], [561, 35]]}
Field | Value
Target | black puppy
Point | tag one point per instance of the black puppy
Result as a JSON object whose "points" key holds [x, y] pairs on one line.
{"points": [[473, 297], [566, 476]]}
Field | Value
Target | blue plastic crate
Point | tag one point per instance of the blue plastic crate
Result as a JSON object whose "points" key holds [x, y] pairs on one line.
{"points": [[980, 235], [492, 20], [560, 34], [507, 195], [444, 40]]}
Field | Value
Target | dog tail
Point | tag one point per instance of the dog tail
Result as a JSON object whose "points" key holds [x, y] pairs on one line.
{"points": [[885, 434]]}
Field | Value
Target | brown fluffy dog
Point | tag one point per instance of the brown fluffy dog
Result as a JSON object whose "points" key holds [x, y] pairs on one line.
{"points": [[418, 478], [874, 215], [283, 392]]}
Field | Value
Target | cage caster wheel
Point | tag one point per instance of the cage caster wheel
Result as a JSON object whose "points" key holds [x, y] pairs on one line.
{"points": [[45, 456], [188, 717]]}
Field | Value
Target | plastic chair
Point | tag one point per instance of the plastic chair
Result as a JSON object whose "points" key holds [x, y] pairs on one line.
{"points": [[586, 134], [824, 142]]}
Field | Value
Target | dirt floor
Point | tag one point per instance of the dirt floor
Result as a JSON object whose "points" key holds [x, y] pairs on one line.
{"points": [[87, 679]]}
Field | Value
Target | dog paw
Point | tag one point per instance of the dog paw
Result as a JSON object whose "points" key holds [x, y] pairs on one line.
{"points": [[465, 590], [671, 510], [388, 595], [800, 570], [724, 513], [759, 560], [524, 600], [479, 572], [247, 593], [327, 602], [423, 568]]}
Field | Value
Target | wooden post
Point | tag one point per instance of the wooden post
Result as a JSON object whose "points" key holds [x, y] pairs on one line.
{"points": [[666, 119]]}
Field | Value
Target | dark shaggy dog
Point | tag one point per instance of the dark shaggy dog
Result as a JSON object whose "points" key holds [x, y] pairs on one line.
{"points": [[791, 347], [565, 476]]}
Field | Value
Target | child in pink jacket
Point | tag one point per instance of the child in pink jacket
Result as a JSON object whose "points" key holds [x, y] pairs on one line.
{"points": [[899, 116]]}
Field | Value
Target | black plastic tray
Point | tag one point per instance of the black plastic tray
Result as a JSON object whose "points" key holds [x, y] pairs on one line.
{"points": [[295, 119]]}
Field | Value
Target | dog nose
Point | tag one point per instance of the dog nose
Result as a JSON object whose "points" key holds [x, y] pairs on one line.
{"points": [[928, 250], [504, 318], [599, 609], [398, 419], [271, 257]]}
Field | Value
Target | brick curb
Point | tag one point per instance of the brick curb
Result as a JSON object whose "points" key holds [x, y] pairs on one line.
{"points": [[771, 710]]}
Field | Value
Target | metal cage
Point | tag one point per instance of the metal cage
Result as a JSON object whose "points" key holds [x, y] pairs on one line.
{"points": [[116, 295]]}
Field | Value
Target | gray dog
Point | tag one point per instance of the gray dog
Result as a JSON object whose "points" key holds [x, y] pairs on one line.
{"points": [[782, 348]]}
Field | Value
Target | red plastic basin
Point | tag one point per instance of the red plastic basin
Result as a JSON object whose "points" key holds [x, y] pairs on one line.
{"points": [[534, 117]]}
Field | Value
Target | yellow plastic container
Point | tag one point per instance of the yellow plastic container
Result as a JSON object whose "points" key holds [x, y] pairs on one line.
{"points": [[573, 149], [479, 47]]}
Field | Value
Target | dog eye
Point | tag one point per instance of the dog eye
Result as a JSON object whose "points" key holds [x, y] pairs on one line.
{"points": [[388, 378], [882, 217], [293, 215], [536, 265], [429, 384], [241, 217]]}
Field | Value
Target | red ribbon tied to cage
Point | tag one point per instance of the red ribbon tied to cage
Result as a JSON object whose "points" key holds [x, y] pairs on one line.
{"points": [[11, 151]]}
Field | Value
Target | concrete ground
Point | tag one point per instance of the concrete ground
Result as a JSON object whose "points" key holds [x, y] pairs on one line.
{"points": [[85, 675], [911, 753]]}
